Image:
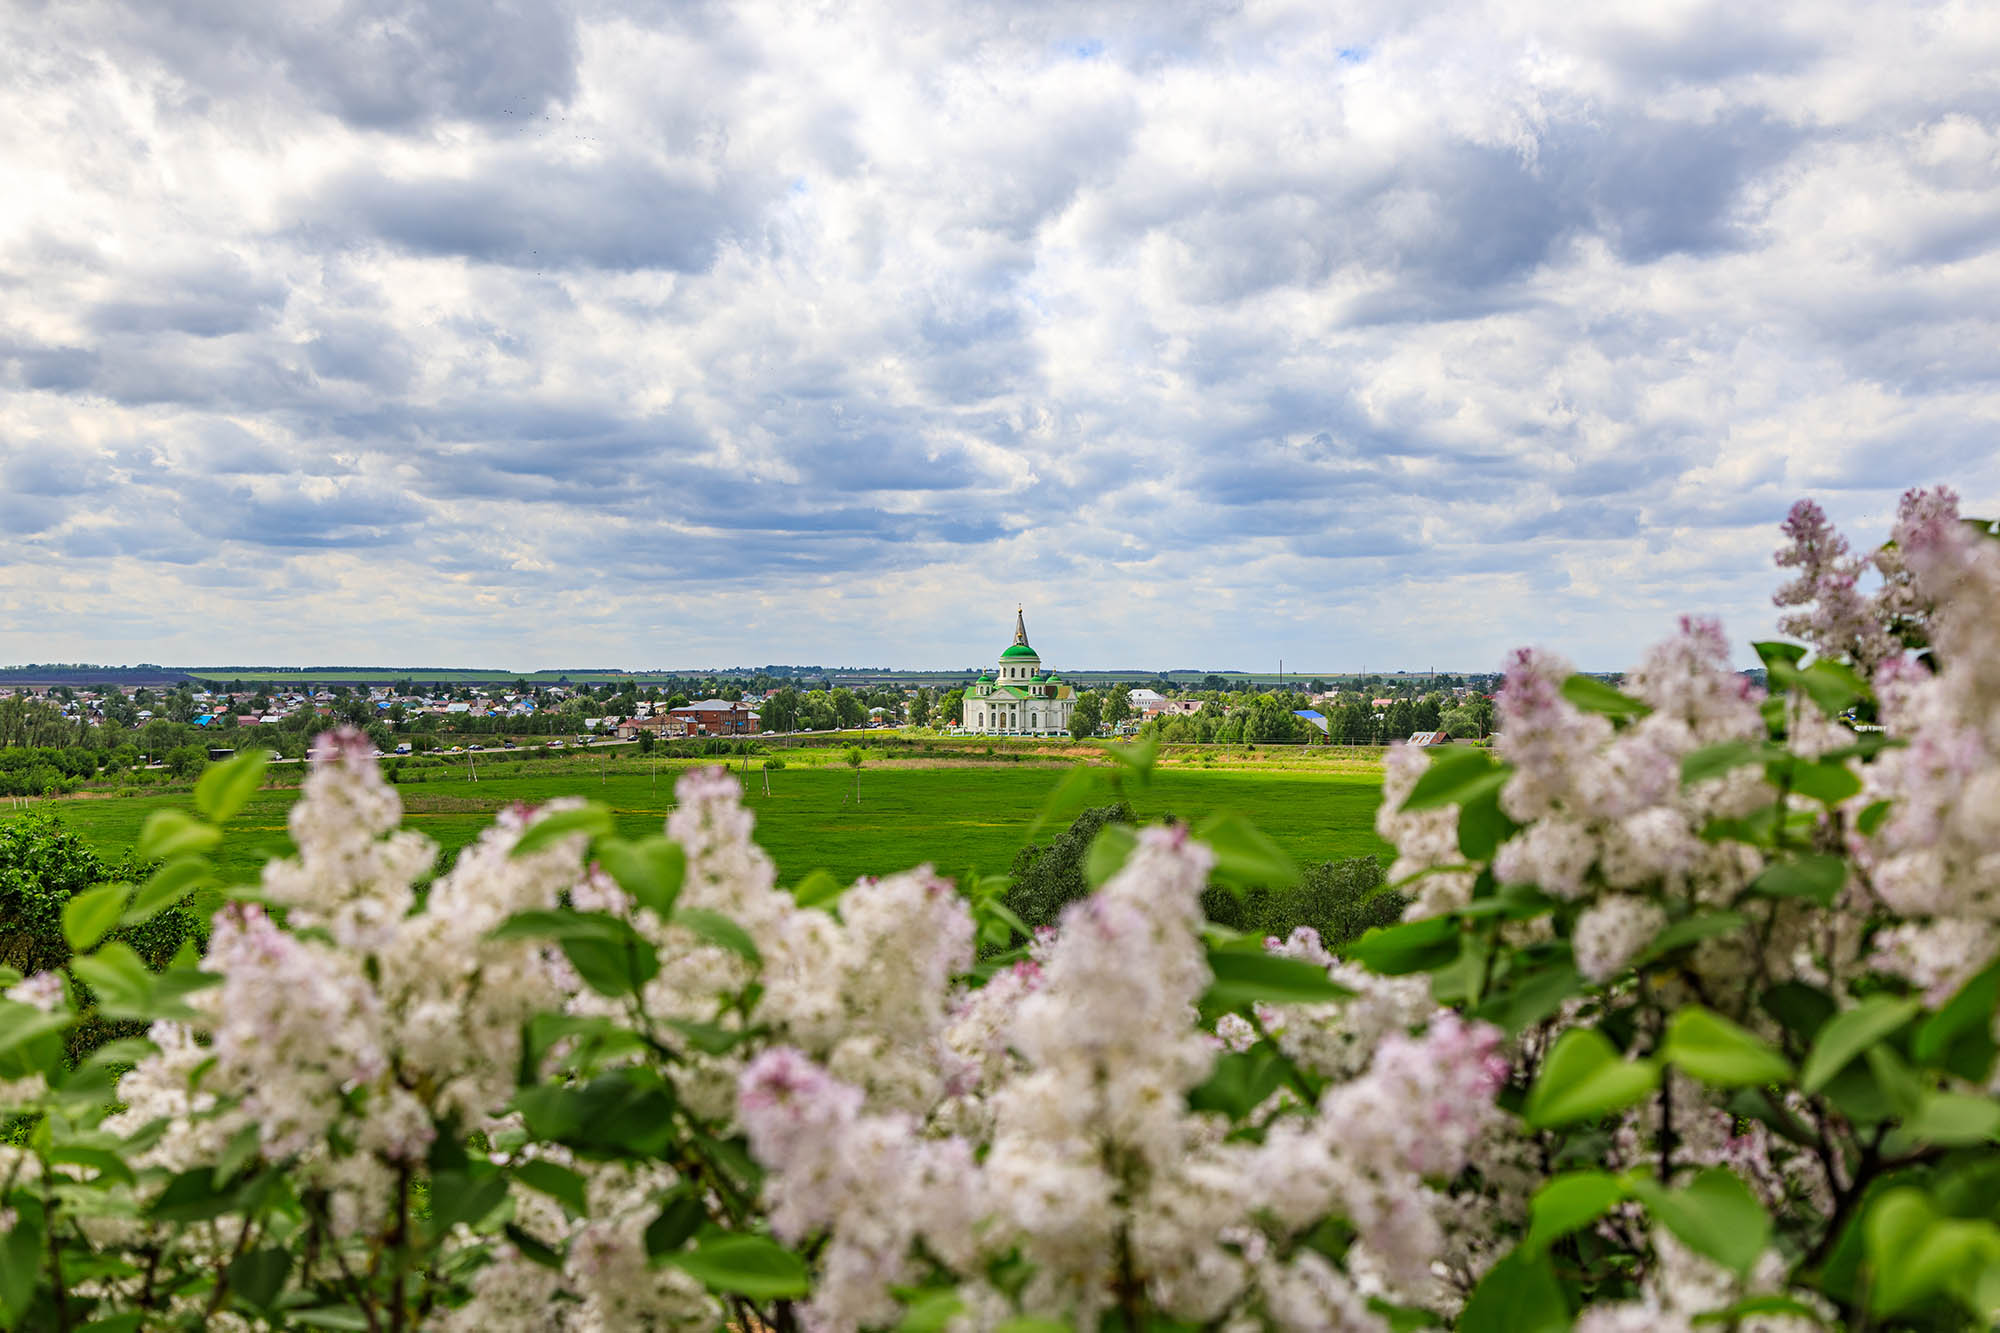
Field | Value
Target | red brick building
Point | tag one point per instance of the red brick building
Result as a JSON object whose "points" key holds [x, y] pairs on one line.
{"points": [[718, 717]]}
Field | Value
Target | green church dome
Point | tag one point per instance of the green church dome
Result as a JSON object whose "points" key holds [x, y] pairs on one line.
{"points": [[1021, 650]]}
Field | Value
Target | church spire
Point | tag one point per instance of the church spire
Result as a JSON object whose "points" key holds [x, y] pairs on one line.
{"points": [[1020, 626]]}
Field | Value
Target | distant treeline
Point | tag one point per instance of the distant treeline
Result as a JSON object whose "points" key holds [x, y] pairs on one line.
{"points": [[76, 673], [146, 673]]}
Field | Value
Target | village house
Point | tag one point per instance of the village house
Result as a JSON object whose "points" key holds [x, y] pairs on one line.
{"points": [[718, 717], [659, 725]]}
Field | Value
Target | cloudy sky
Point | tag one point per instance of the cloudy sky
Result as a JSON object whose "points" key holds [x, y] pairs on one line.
{"points": [[539, 333]]}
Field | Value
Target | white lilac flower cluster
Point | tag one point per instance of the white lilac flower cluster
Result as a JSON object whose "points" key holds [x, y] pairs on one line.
{"points": [[361, 1022], [915, 1122], [349, 1034], [1608, 822], [1935, 859], [1841, 623], [865, 992], [1088, 1163], [1610, 829]]}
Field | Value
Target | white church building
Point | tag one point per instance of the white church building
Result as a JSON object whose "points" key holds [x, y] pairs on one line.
{"points": [[1022, 699]]}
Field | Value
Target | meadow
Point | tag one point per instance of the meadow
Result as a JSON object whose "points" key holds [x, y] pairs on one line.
{"points": [[978, 815]]}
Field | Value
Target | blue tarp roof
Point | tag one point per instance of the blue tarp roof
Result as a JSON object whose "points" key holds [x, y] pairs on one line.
{"points": [[1318, 719]]}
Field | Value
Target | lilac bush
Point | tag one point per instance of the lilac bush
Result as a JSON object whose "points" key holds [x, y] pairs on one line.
{"points": [[1691, 1022]]}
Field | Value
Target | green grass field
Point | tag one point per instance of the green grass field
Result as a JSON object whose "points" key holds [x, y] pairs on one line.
{"points": [[960, 816]]}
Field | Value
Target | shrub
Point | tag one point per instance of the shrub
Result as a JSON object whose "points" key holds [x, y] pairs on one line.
{"points": [[1048, 877], [43, 866], [1692, 1024], [1337, 900]]}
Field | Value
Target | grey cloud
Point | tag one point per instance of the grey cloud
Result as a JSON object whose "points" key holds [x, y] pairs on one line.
{"points": [[25, 515], [1954, 237], [208, 300], [908, 306], [622, 215], [377, 63], [1450, 229], [1710, 43], [1336, 540], [354, 516], [45, 472], [1750, 507], [364, 351], [1574, 522], [153, 541], [55, 369], [1658, 187], [225, 447]]}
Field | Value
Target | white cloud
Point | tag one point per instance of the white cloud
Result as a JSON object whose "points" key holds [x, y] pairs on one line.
{"points": [[376, 330]]}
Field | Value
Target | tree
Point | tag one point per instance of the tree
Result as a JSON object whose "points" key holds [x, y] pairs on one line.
{"points": [[1468, 719], [847, 710], [26, 721], [1117, 706], [1084, 719], [1271, 723], [646, 741], [1428, 710], [120, 711], [1338, 899], [1046, 878], [43, 864], [781, 711], [852, 758], [951, 709], [185, 761], [920, 709]]}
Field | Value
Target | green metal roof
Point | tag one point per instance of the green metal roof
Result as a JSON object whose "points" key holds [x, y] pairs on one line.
{"points": [[1020, 650]]}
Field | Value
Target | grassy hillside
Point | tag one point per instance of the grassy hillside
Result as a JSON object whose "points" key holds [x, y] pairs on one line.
{"points": [[959, 815]]}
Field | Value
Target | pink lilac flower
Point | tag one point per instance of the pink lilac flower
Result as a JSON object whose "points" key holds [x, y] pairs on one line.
{"points": [[1842, 624]]}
